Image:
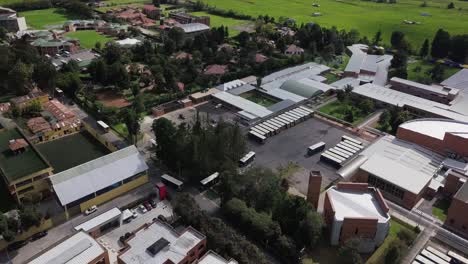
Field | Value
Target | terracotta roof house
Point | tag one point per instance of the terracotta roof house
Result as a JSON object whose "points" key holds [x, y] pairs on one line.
{"points": [[183, 56], [294, 50], [215, 69], [260, 58], [17, 144], [38, 125]]}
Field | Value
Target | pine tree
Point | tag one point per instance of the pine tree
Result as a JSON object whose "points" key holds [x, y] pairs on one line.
{"points": [[424, 49]]}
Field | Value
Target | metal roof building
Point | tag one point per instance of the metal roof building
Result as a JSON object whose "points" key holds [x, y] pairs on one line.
{"points": [[79, 248], [193, 27], [97, 174], [301, 88], [244, 105], [212, 258], [459, 80]]}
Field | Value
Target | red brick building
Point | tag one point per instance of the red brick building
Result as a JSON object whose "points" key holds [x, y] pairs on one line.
{"points": [[356, 210], [152, 12], [457, 217]]}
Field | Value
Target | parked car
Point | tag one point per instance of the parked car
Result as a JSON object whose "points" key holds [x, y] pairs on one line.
{"points": [[162, 218], [17, 245], [91, 210], [142, 209], [38, 235], [134, 214], [153, 203], [147, 206]]}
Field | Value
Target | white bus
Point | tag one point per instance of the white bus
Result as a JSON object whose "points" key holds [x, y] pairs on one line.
{"points": [[169, 180], [344, 137], [433, 257], [258, 137], [316, 148], [103, 125], [210, 180], [439, 254], [247, 159], [457, 257], [331, 159]]}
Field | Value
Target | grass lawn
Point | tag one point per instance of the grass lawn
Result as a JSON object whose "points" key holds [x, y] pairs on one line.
{"points": [[121, 128], [231, 23], [379, 254], [81, 146], [337, 109], [440, 209], [88, 38], [111, 6], [259, 99], [39, 19], [366, 16], [417, 71], [331, 78], [6, 3]]}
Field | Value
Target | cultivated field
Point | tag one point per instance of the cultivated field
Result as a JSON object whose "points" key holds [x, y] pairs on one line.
{"points": [[39, 19], [88, 38], [233, 24], [365, 16]]}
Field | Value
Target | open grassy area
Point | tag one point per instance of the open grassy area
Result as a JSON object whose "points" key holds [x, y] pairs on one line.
{"points": [[231, 23], [259, 98], [338, 110], [39, 19], [88, 38], [440, 209], [16, 166], [81, 148], [418, 71], [395, 227], [366, 16]]}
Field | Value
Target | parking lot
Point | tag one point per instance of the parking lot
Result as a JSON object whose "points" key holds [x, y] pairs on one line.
{"points": [[291, 146]]}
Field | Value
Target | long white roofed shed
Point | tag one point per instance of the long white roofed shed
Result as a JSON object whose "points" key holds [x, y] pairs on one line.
{"points": [[88, 178]]}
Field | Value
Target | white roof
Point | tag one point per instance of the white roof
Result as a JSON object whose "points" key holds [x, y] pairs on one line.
{"points": [[179, 245], [77, 249], [459, 80], [193, 27], [128, 41], [97, 174], [230, 85], [316, 84], [401, 163], [431, 88], [243, 104], [285, 95], [356, 204], [212, 258], [341, 84], [401, 99], [437, 128], [308, 70], [99, 220]]}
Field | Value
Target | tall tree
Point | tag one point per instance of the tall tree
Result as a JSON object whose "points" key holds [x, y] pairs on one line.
{"points": [[397, 39], [424, 51], [377, 38], [441, 44], [133, 126], [19, 78]]}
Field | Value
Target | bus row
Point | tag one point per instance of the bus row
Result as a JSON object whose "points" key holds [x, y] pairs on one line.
{"points": [[432, 255], [342, 152], [275, 125], [178, 184]]}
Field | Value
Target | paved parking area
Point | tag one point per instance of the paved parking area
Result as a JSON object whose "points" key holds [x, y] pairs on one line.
{"points": [[291, 146]]}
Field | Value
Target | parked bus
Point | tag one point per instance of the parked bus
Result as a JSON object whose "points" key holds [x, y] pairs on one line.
{"points": [[352, 143], [439, 254], [270, 130], [260, 131], [103, 125], [210, 180], [331, 159], [260, 138], [339, 153], [247, 159], [459, 258], [344, 137], [351, 150], [169, 180], [433, 257], [316, 148], [423, 260]]}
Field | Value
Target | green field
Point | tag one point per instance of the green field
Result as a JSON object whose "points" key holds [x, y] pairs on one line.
{"points": [[81, 147], [231, 23], [338, 109], [88, 38], [39, 19], [259, 99], [365, 16]]}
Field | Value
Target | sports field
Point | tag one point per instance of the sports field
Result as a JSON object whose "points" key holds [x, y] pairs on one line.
{"points": [[233, 24], [365, 16], [88, 38], [39, 19]]}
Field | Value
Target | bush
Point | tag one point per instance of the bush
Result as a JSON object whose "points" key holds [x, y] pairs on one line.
{"points": [[393, 255], [406, 236]]}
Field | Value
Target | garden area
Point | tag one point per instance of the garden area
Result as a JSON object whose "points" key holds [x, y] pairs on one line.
{"points": [[259, 99], [88, 38], [440, 208], [420, 71], [400, 237], [348, 108], [41, 19]]}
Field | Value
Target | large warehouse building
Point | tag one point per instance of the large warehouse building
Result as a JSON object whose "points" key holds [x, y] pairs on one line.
{"points": [[100, 180]]}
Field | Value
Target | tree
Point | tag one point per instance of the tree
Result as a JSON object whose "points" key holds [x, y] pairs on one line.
{"points": [[441, 44], [437, 73], [157, 3], [451, 5], [29, 216], [45, 75], [133, 126], [424, 51], [98, 45], [393, 255], [348, 253], [310, 230], [349, 115], [341, 95], [377, 38], [397, 39], [367, 106], [19, 78], [139, 104], [259, 82], [459, 48], [384, 119]]}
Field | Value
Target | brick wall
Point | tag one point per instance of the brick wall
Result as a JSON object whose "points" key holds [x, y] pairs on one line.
{"points": [[457, 144], [452, 184], [420, 139], [313, 191], [352, 186], [328, 211], [457, 217], [358, 227]]}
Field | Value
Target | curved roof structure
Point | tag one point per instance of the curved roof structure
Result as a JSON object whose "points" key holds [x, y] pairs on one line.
{"points": [[301, 89], [437, 128]]}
